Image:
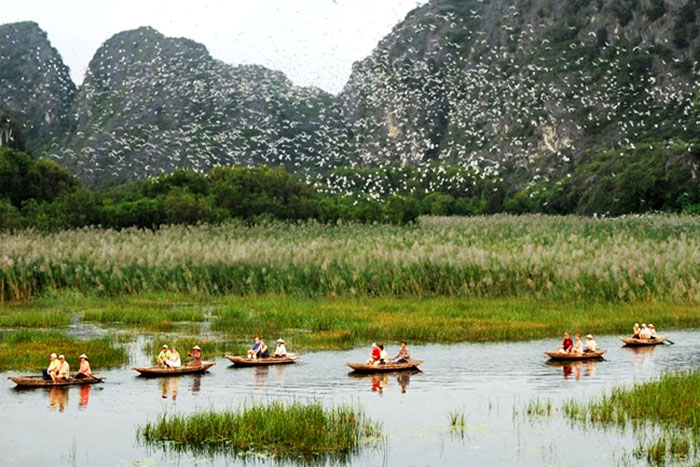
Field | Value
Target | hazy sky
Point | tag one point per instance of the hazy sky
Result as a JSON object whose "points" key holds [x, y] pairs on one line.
{"points": [[314, 42]]}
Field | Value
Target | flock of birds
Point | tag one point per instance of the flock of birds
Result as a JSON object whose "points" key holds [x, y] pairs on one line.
{"points": [[441, 87]]}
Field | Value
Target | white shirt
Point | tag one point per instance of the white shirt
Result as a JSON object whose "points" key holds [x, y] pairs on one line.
{"points": [[281, 350], [591, 345], [645, 334], [175, 361]]}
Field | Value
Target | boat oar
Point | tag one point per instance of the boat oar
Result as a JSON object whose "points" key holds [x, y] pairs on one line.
{"points": [[669, 342]]}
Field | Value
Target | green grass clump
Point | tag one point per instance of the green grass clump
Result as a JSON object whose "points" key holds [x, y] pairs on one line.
{"points": [[291, 431], [22, 317], [211, 347], [157, 318], [30, 350]]}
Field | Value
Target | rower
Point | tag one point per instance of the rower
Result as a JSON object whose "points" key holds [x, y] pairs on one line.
{"points": [[403, 356], [196, 356], [84, 371], [652, 332], [591, 345], [281, 350]]}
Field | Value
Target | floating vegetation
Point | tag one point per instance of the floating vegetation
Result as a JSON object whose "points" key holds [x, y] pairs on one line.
{"points": [[457, 422], [292, 431], [25, 349]]}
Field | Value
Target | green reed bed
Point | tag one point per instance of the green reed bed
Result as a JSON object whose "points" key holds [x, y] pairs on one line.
{"points": [[307, 324], [569, 258], [156, 318], [289, 431], [22, 317], [30, 350], [667, 407], [211, 347]]}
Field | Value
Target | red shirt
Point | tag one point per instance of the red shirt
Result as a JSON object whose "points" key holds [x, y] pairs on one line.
{"points": [[568, 344], [376, 353]]}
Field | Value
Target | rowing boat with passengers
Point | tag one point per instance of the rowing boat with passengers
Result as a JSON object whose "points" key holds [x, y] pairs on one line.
{"points": [[183, 370], [633, 342], [365, 368], [39, 381], [573, 356], [247, 362]]}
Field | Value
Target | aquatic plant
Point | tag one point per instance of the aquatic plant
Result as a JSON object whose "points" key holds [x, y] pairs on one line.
{"points": [[30, 350], [457, 422], [633, 259], [295, 430]]}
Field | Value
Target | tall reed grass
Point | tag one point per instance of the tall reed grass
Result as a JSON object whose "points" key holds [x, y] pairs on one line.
{"points": [[628, 259], [290, 431]]}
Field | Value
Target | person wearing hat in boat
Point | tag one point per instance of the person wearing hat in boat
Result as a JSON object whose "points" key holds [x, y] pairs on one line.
{"points": [[196, 356], [281, 350], [375, 355], [645, 333], [652, 332], [164, 356], [403, 356], [84, 371], [174, 361], [63, 368], [635, 331], [51, 372], [591, 345]]}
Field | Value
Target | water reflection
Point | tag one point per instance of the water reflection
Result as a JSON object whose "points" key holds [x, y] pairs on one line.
{"points": [[261, 374], [85, 395], [380, 381], [58, 398], [169, 387], [575, 369], [196, 383]]}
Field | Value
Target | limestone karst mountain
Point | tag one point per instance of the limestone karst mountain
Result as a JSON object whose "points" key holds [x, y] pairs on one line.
{"points": [[527, 83], [502, 86]]}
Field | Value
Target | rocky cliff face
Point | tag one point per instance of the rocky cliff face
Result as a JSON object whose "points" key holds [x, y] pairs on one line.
{"points": [[527, 84], [150, 104], [36, 91]]}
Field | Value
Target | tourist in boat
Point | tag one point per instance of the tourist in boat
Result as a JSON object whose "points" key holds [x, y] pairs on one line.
{"points": [[281, 350], [645, 333], [163, 356], [635, 331], [383, 356], [174, 361], [84, 371], [52, 370], [375, 355], [63, 368], [591, 345], [567, 344], [259, 349], [652, 332], [578, 346], [403, 356], [196, 356]]}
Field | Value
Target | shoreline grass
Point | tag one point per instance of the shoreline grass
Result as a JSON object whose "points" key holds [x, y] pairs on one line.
{"points": [[231, 322], [292, 431], [29, 350], [557, 258]]}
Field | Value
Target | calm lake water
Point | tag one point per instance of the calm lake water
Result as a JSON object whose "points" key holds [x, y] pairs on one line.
{"points": [[489, 383]]}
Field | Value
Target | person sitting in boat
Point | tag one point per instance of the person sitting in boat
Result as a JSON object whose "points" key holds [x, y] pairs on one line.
{"points": [[259, 349], [567, 344], [383, 356], [163, 356], [51, 372], [196, 356], [375, 355], [63, 369], [578, 346], [591, 345], [281, 350], [84, 371], [174, 360], [652, 332], [645, 333], [635, 331], [403, 356]]}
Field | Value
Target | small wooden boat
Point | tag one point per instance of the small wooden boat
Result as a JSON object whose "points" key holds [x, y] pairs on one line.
{"points": [[574, 357], [632, 342], [38, 381], [247, 362], [183, 370], [364, 368]]}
